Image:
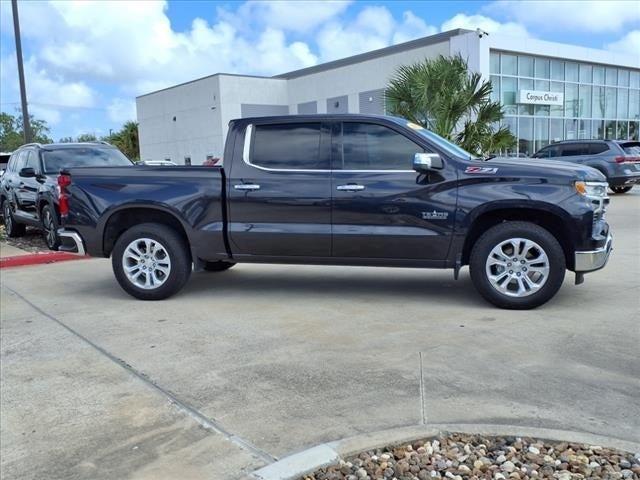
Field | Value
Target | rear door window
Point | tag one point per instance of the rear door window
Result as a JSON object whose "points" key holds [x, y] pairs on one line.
{"points": [[366, 146], [294, 146], [574, 149], [596, 148]]}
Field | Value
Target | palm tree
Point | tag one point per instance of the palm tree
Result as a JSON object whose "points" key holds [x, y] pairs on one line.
{"points": [[442, 96], [126, 139]]}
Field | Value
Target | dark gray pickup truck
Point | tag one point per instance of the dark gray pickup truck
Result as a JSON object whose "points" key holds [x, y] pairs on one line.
{"points": [[342, 190]]}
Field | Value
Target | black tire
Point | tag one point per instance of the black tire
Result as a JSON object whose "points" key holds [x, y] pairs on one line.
{"points": [[217, 266], [621, 189], [50, 227], [11, 227], [176, 249], [511, 230]]}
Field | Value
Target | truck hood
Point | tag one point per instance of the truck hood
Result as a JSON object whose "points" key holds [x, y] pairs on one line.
{"points": [[546, 168]]}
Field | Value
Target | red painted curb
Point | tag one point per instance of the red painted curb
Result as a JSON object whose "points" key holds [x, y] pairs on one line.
{"points": [[37, 259]]}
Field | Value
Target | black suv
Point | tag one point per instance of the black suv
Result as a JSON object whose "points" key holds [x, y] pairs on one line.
{"points": [[618, 160], [28, 188]]}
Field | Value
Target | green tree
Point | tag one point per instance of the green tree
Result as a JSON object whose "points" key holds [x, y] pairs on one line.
{"points": [[86, 137], [441, 95], [126, 139], [66, 140], [12, 131]]}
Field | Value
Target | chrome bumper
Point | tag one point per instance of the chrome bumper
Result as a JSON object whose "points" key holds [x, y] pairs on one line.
{"points": [[71, 242], [593, 259]]}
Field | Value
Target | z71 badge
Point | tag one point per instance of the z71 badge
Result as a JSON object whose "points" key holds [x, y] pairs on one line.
{"points": [[482, 170]]}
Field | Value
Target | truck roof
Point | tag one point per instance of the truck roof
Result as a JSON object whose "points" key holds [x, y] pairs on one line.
{"points": [[321, 117]]}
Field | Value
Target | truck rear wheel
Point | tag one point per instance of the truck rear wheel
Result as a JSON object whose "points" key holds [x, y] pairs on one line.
{"points": [[517, 265], [151, 261]]}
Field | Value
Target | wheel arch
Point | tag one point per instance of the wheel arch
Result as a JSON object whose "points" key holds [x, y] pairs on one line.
{"points": [[123, 219], [546, 217]]}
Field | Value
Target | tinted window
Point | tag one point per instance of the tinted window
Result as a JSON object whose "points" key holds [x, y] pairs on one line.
{"points": [[56, 160], [596, 148], [374, 147], [544, 153], [289, 146], [631, 148], [32, 160], [574, 149]]}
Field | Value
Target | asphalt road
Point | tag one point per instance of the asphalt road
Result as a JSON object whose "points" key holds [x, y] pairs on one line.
{"points": [[261, 361]]}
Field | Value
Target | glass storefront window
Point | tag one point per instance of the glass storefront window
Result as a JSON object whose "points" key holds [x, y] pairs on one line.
{"points": [[633, 130], [543, 86], [598, 129], [623, 103], [512, 124], [525, 66], [584, 105], [508, 90], [571, 100], [525, 84], [495, 88], [556, 130], [509, 64], [494, 62], [623, 78], [571, 129], [525, 139], [598, 102], [622, 130], [585, 73], [634, 104], [634, 79], [610, 129], [541, 130], [598, 75], [584, 129], [610, 102], [542, 68], [611, 76], [571, 72], [557, 70], [557, 110]]}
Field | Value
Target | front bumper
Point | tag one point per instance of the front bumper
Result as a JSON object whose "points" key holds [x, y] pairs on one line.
{"points": [[71, 242], [591, 260]]}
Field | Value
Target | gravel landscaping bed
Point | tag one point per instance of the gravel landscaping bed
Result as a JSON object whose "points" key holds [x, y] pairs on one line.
{"points": [[462, 457], [31, 241]]}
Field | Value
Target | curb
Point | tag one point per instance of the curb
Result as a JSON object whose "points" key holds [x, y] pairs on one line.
{"points": [[38, 259], [296, 465]]}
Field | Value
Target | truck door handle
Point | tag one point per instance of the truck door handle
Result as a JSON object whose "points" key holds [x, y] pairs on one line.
{"points": [[246, 186], [350, 187]]}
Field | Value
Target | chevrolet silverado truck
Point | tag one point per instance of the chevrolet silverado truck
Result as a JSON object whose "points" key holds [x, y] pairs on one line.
{"points": [[342, 190]]}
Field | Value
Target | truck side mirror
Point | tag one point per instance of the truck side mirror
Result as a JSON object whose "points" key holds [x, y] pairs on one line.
{"points": [[425, 162], [27, 172]]}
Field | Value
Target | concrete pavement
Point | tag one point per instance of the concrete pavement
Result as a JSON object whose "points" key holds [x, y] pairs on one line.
{"points": [[286, 357]]}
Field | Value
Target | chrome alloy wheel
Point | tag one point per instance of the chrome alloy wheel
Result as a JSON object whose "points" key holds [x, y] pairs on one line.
{"points": [[50, 229], [517, 267], [146, 263]]}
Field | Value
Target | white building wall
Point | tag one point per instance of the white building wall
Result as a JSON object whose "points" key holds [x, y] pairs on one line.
{"points": [[352, 79], [182, 121]]}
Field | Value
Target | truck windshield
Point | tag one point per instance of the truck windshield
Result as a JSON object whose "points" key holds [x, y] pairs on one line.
{"points": [[450, 147], [56, 160]]}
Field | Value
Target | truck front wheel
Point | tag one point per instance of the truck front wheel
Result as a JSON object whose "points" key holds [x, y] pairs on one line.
{"points": [[151, 261], [517, 265]]}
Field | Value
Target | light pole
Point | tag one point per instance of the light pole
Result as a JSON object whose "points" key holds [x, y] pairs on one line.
{"points": [[23, 93]]}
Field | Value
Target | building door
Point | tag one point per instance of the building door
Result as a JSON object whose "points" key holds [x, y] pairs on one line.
{"points": [[280, 191], [382, 208]]}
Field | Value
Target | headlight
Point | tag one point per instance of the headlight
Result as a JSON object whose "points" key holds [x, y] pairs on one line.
{"points": [[591, 189]]}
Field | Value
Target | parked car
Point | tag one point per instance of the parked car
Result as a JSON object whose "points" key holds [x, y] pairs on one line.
{"points": [[4, 159], [29, 188], [618, 160], [342, 190]]}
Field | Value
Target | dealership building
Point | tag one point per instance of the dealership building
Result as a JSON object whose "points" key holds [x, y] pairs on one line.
{"points": [[549, 92]]}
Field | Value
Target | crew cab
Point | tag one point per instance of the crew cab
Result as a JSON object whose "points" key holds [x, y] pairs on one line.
{"points": [[29, 188], [342, 190]]}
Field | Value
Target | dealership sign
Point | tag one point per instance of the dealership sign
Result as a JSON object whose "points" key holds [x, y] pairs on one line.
{"points": [[541, 98]]}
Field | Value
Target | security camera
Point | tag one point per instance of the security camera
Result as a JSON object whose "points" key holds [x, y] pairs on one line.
{"points": [[481, 33]]}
